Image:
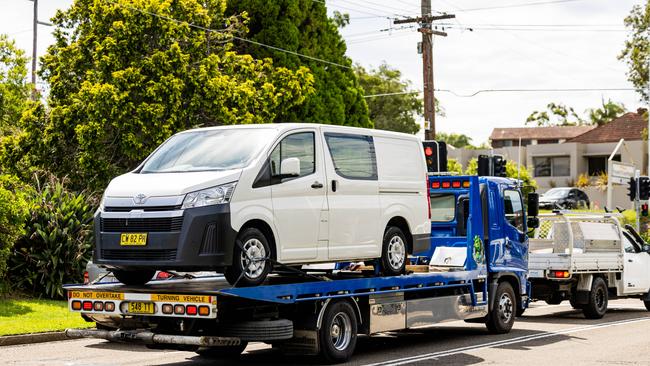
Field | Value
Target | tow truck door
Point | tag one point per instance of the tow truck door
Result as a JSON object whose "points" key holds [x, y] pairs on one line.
{"points": [[636, 269], [511, 251]]}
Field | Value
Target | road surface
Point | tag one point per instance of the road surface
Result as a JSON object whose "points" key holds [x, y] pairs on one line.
{"points": [[545, 335]]}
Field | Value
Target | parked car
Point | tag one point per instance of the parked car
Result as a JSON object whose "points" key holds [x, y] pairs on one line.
{"points": [[241, 199], [564, 198]]}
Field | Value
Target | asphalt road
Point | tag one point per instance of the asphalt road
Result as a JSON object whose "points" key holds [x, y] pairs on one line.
{"points": [[545, 335]]}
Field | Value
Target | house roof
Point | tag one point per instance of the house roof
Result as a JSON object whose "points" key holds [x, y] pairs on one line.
{"points": [[539, 133], [628, 126]]}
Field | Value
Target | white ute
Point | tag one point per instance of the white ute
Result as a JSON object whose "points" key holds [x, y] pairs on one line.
{"points": [[241, 199], [587, 259]]}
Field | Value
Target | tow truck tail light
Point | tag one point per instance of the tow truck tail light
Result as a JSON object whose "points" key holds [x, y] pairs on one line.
{"points": [[98, 306], [435, 184], [191, 309], [455, 184], [167, 308], [76, 305], [204, 310], [87, 305], [109, 306], [179, 309], [466, 184], [446, 184]]}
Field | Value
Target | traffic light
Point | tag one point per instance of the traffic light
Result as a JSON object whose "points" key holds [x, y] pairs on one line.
{"points": [[644, 210], [484, 166], [499, 164], [435, 153], [644, 188], [631, 189]]}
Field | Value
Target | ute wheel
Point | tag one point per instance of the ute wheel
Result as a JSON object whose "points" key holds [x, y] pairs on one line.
{"points": [[337, 335], [250, 264], [223, 351], [394, 252], [502, 316], [134, 278], [597, 306]]}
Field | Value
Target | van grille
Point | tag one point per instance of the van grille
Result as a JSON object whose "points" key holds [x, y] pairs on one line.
{"points": [[139, 254], [141, 208], [157, 224]]}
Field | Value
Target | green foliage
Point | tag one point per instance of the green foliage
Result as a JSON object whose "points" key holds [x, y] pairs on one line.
{"points": [[395, 112], [583, 181], [57, 241], [453, 166], [455, 139], [636, 51], [472, 167], [303, 26], [529, 184], [13, 213], [556, 114], [123, 81], [14, 91], [605, 114]]}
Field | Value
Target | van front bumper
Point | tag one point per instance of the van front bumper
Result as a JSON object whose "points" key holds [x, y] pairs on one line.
{"points": [[196, 239]]}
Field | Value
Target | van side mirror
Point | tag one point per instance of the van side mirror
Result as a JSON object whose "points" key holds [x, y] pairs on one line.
{"points": [[290, 167], [646, 248], [533, 204]]}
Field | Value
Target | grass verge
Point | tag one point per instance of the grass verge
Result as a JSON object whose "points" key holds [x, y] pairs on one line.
{"points": [[22, 316]]}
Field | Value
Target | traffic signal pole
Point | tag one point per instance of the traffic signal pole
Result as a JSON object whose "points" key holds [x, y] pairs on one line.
{"points": [[637, 205]]}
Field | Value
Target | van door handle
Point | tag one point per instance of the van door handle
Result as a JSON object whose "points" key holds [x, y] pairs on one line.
{"points": [[317, 185], [334, 186]]}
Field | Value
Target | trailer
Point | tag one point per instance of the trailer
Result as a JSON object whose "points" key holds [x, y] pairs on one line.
{"points": [[587, 258]]}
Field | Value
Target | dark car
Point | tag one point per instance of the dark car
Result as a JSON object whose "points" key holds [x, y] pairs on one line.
{"points": [[564, 198]]}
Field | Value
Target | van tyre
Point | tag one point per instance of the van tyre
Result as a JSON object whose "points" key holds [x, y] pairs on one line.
{"points": [[250, 264], [134, 278], [502, 316], [223, 351], [597, 305], [337, 335], [394, 252], [647, 304]]}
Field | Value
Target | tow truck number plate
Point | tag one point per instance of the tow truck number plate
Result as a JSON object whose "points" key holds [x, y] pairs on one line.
{"points": [[139, 307], [138, 239]]}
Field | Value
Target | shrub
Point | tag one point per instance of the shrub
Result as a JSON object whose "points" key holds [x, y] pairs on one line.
{"points": [[601, 181], [583, 181], [453, 166], [13, 213], [57, 241]]}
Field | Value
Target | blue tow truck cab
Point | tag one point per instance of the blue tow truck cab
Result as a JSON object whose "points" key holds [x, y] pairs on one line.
{"points": [[474, 271]]}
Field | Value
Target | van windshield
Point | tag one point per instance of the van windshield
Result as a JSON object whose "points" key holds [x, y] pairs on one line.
{"points": [[206, 150]]}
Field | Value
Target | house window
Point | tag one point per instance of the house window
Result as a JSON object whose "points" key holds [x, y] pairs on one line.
{"points": [[507, 143], [552, 166], [598, 164]]}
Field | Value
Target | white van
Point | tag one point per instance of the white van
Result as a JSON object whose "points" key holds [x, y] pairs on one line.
{"points": [[241, 199]]}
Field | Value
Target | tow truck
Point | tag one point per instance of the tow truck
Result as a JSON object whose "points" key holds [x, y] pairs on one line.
{"points": [[588, 258], [474, 271]]}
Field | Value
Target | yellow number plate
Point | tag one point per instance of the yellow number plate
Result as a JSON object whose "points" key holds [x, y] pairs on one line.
{"points": [[133, 239], [137, 307]]}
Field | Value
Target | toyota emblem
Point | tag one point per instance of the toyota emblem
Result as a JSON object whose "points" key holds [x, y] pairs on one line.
{"points": [[139, 199]]}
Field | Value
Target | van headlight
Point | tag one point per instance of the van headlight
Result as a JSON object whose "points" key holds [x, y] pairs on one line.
{"points": [[209, 196]]}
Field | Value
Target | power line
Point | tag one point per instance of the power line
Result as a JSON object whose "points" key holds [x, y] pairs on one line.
{"points": [[232, 36], [482, 91], [518, 5]]}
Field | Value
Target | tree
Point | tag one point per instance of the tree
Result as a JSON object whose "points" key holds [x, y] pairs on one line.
{"points": [[302, 26], [605, 114], [556, 114], [393, 112], [512, 171], [14, 91], [123, 80], [455, 139], [636, 51]]}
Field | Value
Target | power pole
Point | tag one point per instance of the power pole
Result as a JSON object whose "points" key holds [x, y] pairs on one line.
{"points": [[34, 42], [425, 21]]}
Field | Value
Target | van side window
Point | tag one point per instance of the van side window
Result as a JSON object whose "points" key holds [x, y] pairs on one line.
{"points": [[353, 155], [298, 145], [514, 209]]}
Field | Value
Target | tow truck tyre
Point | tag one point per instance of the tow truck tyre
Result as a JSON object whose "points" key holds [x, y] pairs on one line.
{"points": [[502, 316], [597, 306], [394, 252], [337, 335], [249, 260], [222, 352], [134, 278]]}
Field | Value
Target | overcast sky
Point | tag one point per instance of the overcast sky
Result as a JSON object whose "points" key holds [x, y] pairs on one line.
{"points": [[502, 52]]}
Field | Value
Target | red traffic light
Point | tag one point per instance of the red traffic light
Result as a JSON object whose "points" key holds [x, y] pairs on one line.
{"points": [[428, 151]]}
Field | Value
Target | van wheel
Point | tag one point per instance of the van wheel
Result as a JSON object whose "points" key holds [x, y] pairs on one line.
{"points": [[134, 278], [647, 304], [223, 351], [394, 252], [597, 306], [250, 264], [337, 335], [502, 316]]}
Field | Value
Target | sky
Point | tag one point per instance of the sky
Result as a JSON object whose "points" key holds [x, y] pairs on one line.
{"points": [[576, 47]]}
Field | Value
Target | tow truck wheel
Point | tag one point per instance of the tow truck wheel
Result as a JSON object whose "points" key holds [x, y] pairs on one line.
{"points": [[134, 278], [222, 352], [394, 252], [250, 263], [502, 316], [597, 306], [337, 335]]}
